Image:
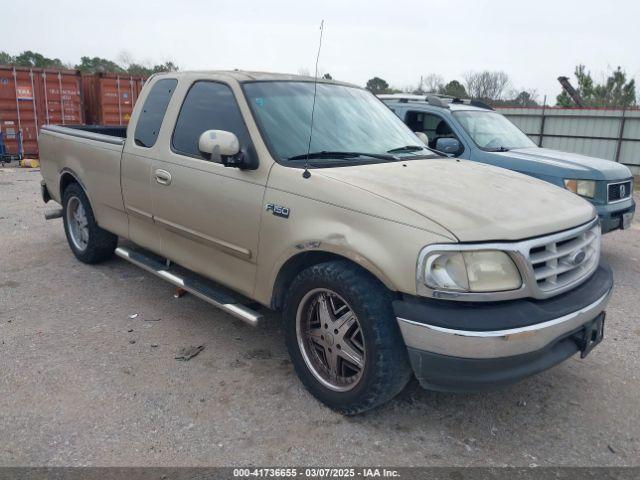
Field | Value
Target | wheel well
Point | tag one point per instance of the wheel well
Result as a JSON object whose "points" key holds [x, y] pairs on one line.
{"points": [[295, 265], [66, 180]]}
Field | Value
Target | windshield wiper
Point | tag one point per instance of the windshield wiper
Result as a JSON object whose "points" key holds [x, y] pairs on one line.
{"points": [[342, 155], [499, 149], [406, 148]]}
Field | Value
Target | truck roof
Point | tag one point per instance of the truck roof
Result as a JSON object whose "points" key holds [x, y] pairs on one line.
{"points": [[251, 76]]}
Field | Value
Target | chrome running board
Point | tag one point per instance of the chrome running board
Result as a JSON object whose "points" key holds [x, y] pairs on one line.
{"points": [[202, 288]]}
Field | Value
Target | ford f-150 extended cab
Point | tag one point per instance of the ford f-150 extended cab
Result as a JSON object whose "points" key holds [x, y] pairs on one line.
{"points": [[473, 131], [384, 258]]}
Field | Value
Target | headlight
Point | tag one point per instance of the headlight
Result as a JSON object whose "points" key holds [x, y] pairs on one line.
{"points": [[584, 188], [470, 271]]}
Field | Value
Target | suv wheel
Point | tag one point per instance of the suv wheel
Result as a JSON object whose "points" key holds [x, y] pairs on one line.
{"points": [[343, 338]]}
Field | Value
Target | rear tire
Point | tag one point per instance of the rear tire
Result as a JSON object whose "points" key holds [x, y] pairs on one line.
{"points": [[343, 337], [88, 242]]}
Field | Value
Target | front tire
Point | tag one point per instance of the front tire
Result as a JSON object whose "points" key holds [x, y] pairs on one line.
{"points": [[343, 338], [88, 242]]}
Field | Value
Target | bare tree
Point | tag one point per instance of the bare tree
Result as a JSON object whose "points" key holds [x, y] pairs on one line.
{"points": [[432, 83], [125, 58], [486, 85]]}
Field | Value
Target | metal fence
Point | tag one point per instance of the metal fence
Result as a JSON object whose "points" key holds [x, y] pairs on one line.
{"points": [[613, 134]]}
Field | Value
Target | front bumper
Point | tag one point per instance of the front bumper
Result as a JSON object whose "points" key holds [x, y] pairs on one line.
{"points": [[611, 214], [455, 346]]}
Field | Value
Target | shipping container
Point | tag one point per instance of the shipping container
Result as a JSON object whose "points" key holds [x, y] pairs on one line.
{"points": [[32, 97], [109, 98]]}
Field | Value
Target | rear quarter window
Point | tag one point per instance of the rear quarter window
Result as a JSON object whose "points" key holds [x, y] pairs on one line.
{"points": [[153, 111]]}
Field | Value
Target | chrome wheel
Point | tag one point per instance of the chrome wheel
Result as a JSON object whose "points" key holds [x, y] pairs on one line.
{"points": [[330, 339], [77, 223]]}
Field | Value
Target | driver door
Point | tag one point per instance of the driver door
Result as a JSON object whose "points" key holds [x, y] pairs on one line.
{"points": [[208, 214]]}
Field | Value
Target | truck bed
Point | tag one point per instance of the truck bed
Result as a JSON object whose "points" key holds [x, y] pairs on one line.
{"points": [[91, 156], [109, 134]]}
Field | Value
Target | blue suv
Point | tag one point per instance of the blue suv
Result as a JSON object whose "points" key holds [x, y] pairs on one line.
{"points": [[473, 131]]}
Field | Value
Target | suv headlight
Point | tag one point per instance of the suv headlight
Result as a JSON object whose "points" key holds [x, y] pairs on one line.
{"points": [[469, 271], [584, 188]]}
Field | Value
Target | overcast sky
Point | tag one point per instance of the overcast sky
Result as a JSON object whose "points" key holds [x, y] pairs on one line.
{"points": [[533, 41]]}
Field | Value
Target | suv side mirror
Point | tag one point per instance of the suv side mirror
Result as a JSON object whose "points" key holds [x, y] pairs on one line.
{"points": [[448, 145], [222, 146], [423, 137]]}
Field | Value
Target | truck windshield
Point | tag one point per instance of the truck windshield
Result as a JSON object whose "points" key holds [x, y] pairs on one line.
{"points": [[491, 131], [346, 120]]}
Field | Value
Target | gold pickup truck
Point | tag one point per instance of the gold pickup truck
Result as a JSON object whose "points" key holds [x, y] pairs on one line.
{"points": [[314, 199]]}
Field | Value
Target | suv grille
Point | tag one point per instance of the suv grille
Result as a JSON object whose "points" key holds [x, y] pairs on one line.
{"points": [[563, 260], [619, 191]]}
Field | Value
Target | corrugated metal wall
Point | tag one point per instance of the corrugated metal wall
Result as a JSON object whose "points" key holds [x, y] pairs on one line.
{"points": [[613, 134]]}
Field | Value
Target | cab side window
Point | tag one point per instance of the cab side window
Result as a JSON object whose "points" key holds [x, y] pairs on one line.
{"points": [[433, 126], [153, 111], [208, 106]]}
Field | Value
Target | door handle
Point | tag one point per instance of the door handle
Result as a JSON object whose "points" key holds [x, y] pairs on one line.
{"points": [[163, 177]]}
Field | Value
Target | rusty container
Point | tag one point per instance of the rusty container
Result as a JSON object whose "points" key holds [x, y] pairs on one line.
{"points": [[109, 98], [32, 97]]}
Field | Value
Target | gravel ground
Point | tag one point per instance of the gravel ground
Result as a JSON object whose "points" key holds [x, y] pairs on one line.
{"points": [[81, 383]]}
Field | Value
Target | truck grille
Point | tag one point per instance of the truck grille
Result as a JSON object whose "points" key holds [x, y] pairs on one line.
{"points": [[560, 261], [619, 191]]}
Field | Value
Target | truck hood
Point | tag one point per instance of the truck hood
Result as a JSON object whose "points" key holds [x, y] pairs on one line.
{"points": [[473, 201], [573, 165]]}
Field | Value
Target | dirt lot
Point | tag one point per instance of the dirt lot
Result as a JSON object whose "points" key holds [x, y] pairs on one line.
{"points": [[81, 383]]}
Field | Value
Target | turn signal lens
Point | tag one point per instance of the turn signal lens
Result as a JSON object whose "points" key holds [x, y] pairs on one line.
{"points": [[584, 188]]}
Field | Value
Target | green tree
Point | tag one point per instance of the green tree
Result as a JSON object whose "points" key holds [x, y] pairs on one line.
{"points": [[564, 100], [377, 85], [169, 66], [453, 89], [525, 99], [139, 70], [98, 65], [616, 91], [145, 71], [6, 59], [37, 60]]}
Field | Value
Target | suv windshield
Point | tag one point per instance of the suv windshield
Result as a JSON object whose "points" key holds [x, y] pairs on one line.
{"points": [[346, 119], [491, 131]]}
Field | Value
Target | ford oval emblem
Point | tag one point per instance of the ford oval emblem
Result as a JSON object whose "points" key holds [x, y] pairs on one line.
{"points": [[576, 258]]}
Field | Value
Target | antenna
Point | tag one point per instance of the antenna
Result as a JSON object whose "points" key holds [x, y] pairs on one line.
{"points": [[307, 173]]}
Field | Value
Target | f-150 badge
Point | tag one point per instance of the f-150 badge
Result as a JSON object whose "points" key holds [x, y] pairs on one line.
{"points": [[278, 210]]}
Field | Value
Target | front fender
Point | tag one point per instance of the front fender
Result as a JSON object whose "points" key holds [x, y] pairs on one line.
{"points": [[388, 250], [334, 247]]}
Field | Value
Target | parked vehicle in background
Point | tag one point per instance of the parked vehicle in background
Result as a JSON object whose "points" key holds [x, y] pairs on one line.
{"points": [[382, 257], [473, 131]]}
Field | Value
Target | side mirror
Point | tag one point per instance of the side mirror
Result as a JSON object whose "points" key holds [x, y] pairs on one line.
{"points": [[423, 137], [222, 146], [450, 146]]}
